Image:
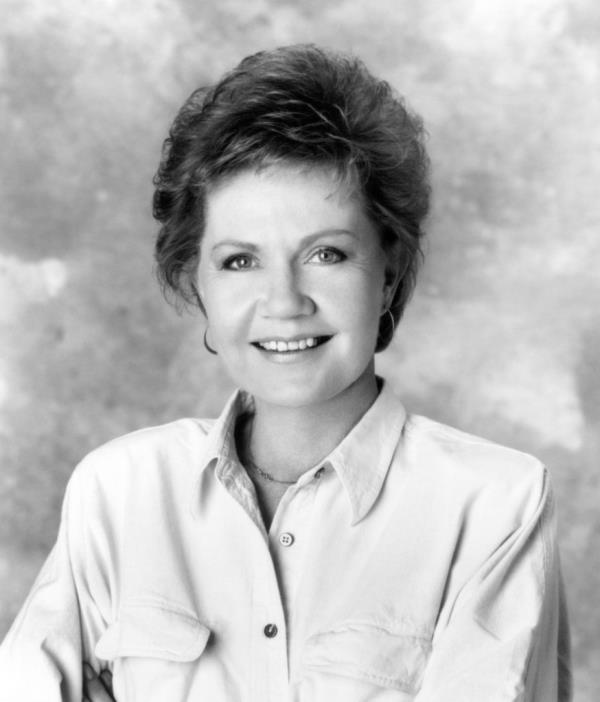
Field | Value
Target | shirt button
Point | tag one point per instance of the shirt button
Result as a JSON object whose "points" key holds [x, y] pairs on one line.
{"points": [[270, 631], [286, 539]]}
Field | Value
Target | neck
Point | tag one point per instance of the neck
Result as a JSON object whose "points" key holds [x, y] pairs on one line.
{"points": [[287, 441]]}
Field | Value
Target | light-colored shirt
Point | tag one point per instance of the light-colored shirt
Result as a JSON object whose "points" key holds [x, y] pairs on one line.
{"points": [[415, 563]]}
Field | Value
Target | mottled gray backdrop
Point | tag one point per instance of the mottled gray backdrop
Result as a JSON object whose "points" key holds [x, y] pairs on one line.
{"points": [[502, 338]]}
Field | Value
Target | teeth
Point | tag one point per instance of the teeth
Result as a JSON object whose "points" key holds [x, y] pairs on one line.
{"points": [[286, 346]]}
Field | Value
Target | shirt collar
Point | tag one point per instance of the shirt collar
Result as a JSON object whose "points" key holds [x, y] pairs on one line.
{"points": [[361, 460], [220, 444]]}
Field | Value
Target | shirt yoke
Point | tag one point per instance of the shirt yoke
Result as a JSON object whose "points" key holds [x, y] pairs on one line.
{"points": [[470, 465]]}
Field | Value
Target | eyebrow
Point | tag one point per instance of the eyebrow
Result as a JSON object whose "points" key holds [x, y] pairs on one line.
{"points": [[308, 239]]}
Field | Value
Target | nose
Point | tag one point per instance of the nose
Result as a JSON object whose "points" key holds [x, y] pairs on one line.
{"points": [[284, 295]]}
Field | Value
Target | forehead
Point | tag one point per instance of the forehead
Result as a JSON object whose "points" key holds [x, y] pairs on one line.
{"points": [[285, 197]]}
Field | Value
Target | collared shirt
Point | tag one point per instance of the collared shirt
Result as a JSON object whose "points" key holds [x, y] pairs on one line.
{"points": [[415, 563]]}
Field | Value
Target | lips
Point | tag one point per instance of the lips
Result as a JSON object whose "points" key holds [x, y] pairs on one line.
{"points": [[290, 345]]}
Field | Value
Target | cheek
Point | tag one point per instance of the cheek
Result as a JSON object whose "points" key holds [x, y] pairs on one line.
{"points": [[228, 311], [363, 301], [368, 311], [359, 323]]}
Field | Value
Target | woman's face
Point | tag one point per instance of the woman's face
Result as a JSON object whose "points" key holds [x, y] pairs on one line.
{"points": [[292, 277]]}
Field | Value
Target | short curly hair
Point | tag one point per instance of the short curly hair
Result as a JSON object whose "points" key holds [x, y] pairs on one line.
{"points": [[303, 105]]}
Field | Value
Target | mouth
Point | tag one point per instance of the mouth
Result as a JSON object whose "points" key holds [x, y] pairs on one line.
{"points": [[291, 346]]}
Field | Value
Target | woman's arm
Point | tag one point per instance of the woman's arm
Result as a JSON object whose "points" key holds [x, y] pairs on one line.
{"points": [[505, 636], [41, 656]]}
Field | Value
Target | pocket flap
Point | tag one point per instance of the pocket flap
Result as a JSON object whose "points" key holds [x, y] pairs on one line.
{"points": [[370, 653], [154, 632]]}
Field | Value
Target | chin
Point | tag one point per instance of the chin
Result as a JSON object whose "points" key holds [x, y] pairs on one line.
{"points": [[287, 396], [303, 394]]}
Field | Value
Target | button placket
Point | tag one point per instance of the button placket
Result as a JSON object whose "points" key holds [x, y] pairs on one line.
{"points": [[269, 661], [287, 547]]}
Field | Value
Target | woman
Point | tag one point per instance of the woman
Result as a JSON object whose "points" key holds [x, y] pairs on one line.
{"points": [[315, 542]]}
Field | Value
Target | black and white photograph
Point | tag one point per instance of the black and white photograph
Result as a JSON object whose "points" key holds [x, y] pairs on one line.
{"points": [[300, 351]]}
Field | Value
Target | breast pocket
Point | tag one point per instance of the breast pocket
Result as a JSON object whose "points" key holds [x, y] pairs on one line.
{"points": [[153, 652], [371, 654]]}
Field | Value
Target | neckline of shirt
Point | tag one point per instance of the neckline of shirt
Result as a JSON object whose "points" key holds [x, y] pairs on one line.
{"points": [[361, 460]]}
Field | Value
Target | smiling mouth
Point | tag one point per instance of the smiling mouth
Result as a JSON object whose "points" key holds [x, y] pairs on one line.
{"points": [[280, 346]]}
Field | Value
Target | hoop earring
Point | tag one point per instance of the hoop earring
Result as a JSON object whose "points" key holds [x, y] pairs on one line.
{"points": [[389, 311], [206, 346]]}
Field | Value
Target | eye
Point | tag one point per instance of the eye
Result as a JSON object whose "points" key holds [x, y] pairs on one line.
{"points": [[239, 262], [327, 255]]}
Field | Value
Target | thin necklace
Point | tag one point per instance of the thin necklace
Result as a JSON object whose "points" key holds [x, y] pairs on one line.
{"points": [[263, 473], [248, 460]]}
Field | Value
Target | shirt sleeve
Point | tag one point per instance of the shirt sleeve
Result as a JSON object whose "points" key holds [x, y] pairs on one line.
{"points": [[506, 638], [41, 656]]}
